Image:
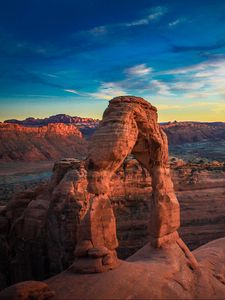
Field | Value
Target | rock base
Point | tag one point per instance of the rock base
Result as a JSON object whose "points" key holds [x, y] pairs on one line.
{"points": [[97, 261], [159, 242], [27, 290]]}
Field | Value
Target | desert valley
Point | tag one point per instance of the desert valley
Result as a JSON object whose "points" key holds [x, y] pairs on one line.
{"points": [[43, 201], [112, 150]]}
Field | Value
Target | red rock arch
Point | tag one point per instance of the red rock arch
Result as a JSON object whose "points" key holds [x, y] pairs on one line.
{"points": [[129, 125]]}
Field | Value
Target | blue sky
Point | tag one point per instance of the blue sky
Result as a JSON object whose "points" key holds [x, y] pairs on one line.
{"points": [[72, 56]]}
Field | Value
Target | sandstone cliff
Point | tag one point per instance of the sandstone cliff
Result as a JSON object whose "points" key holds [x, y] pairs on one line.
{"points": [[49, 142], [191, 132], [177, 132], [86, 125], [26, 142], [60, 205], [74, 211], [60, 118]]}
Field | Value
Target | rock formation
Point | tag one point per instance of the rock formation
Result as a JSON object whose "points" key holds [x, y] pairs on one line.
{"points": [[177, 132], [86, 125], [39, 228], [27, 290], [16, 177], [198, 187], [194, 132], [60, 118], [50, 142], [129, 125], [57, 136], [163, 273]]}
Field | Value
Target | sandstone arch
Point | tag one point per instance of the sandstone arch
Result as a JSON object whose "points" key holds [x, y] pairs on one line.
{"points": [[129, 125]]}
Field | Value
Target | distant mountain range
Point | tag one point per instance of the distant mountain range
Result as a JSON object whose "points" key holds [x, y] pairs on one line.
{"points": [[49, 142], [65, 136], [177, 132], [191, 132], [86, 125]]}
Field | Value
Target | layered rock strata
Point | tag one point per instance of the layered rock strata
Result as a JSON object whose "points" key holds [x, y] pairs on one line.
{"points": [[198, 187], [59, 207], [50, 142], [129, 125]]}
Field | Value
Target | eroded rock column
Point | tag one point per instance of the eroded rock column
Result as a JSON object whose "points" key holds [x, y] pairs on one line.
{"points": [[97, 241], [165, 209]]}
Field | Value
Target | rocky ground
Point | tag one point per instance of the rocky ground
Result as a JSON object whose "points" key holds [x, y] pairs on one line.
{"points": [[151, 274], [16, 177], [204, 150], [41, 226], [199, 188]]}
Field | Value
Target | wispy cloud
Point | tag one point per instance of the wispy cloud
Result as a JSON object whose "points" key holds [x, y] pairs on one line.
{"points": [[197, 81], [38, 78], [139, 22], [160, 87], [155, 14], [139, 70], [200, 80], [72, 91], [50, 75], [213, 63], [108, 90], [176, 22], [98, 31], [187, 85]]}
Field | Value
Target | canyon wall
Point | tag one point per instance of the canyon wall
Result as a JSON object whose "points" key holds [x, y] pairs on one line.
{"points": [[38, 139], [177, 132], [86, 125], [200, 189], [38, 228], [50, 142], [193, 132]]}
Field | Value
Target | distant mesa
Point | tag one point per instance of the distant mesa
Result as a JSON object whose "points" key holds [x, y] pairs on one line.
{"points": [[178, 132], [60, 118], [49, 142], [86, 125], [191, 132]]}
